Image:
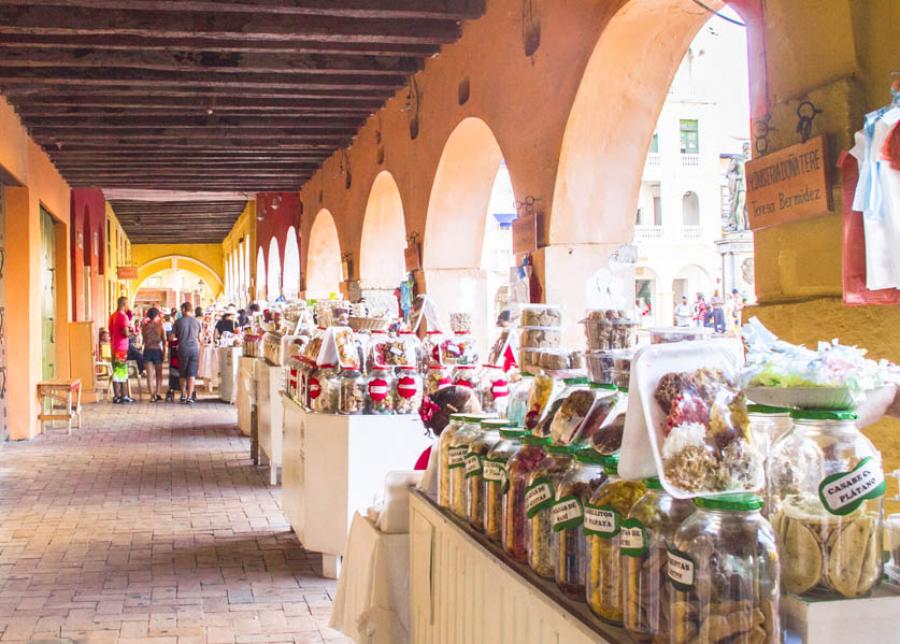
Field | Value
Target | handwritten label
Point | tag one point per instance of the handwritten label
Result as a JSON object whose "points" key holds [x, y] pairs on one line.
{"points": [[567, 514], [680, 568], [473, 465], [601, 521], [633, 538], [494, 471], [456, 457], [538, 496], [844, 492]]}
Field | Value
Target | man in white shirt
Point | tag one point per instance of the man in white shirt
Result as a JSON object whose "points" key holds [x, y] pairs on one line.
{"points": [[683, 313]]}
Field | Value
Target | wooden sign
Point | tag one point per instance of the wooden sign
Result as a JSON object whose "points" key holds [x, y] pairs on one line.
{"points": [[412, 257], [127, 272], [788, 185], [524, 234]]}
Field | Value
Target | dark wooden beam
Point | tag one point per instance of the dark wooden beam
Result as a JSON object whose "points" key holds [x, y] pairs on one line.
{"points": [[34, 112], [204, 122], [20, 88]]}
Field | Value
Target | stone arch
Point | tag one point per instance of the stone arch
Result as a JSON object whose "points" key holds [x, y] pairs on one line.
{"points": [[290, 276], [381, 258], [323, 261], [158, 264], [273, 272], [260, 274]]}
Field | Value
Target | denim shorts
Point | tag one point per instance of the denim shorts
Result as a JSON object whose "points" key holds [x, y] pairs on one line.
{"points": [[153, 356], [190, 362]]}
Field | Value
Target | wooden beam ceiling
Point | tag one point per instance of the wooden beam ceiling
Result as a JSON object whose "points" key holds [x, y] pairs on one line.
{"points": [[190, 95], [161, 221]]}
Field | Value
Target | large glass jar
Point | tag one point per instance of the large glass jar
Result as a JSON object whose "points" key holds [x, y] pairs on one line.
{"points": [[517, 406], [437, 376], [325, 390], [466, 376], [767, 424], [603, 516], [408, 391], [723, 570], [455, 422], [826, 493], [496, 483], [518, 471], [650, 525], [469, 431], [375, 349], [431, 348], [475, 462], [573, 492], [494, 389], [380, 392], [352, 399], [539, 500]]}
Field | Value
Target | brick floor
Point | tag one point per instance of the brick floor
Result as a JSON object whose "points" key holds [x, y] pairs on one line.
{"points": [[151, 525]]}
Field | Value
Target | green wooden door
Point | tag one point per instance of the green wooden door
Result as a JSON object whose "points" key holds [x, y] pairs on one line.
{"points": [[48, 295]]}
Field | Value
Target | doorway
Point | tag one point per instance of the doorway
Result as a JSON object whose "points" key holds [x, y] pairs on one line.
{"points": [[48, 296]]}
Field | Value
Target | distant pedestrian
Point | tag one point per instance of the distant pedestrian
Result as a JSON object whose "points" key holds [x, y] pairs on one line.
{"points": [[118, 334], [684, 312], [187, 330]]}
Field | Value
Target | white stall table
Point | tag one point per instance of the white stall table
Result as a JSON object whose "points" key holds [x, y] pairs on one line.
{"points": [[246, 392], [270, 416], [228, 372], [335, 465]]}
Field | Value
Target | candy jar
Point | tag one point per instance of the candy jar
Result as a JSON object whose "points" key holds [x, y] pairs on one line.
{"points": [[568, 543], [650, 525], [379, 392], [353, 393], [455, 422], [767, 424], [517, 406], [723, 569], [539, 500], [325, 392], [519, 468], [468, 432], [437, 376], [475, 461], [496, 483], [466, 376], [407, 391], [494, 389], [431, 348]]}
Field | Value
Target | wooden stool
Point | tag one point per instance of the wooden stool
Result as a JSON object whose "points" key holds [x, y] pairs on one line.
{"points": [[63, 397]]}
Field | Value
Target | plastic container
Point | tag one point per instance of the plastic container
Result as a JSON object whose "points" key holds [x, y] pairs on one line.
{"points": [[494, 389], [603, 516], [461, 322], [826, 493], [456, 421], [530, 360], [517, 406], [431, 348], [540, 315], [496, 483], [568, 543], [462, 440], [460, 348], [540, 337], [380, 392], [610, 367], [561, 360], [604, 425], [607, 329], [577, 401], [515, 518], [650, 525], [352, 399], [544, 390], [723, 570], [325, 390], [408, 391], [474, 469], [437, 376], [540, 497], [668, 335]]}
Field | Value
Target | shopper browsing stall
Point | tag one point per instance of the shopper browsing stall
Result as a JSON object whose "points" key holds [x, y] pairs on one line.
{"points": [[187, 330]]}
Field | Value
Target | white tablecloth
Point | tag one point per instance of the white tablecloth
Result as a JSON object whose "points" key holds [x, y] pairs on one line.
{"points": [[372, 603], [208, 369]]}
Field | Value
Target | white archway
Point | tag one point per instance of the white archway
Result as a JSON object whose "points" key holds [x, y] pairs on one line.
{"points": [[291, 274], [381, 262], [260, 274], [273, 272], [323, 261]]}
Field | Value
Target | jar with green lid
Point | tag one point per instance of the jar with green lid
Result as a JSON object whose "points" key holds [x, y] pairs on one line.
{"points": [[447, 435], [603, 517], [517, 406], [568, 544], [475, 461], [519, 467], [646, 531], [468, 432], [825, 501], [722, 565], [540, 497], [767, 424], [495, 481]]}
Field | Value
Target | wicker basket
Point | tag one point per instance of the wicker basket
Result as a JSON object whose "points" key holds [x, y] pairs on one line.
{"points": [[367, 324]]}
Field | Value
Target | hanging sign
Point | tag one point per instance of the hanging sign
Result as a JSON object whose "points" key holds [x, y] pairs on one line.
{"points": [[411, 255], [127, 272], [524, 233], [788, 185]]}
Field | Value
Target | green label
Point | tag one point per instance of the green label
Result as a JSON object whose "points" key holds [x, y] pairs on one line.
{"points": [[680, 568], [633, 540], [456, 457], [844, 492], [473, 465], [538, 496], [493, 471], [602, 521], [567, 514]]}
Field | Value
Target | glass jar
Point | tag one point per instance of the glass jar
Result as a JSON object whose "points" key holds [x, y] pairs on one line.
{"points": [[455, 422], [603, 516], [539, 500], [650, 525], [826, 494], [465, 376], [518, 471], [892, 532], [375, 350], [517, 406], [767, 424], [431, 348], [407, 391], [305, 369], [544, 390], [437, 377], [494, 389], [568, 543], [475, 462], [352, 399], [722, 565], [412, 349], [325, 390], [496, 483], [468, 432], [380, 392]]}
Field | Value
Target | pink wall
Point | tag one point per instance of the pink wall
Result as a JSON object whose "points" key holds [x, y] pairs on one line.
{"points": [[275, 221], [88, 248]]}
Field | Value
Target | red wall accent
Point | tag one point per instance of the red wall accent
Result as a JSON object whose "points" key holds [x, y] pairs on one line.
{"points": [[275, 222], [88, 223]]}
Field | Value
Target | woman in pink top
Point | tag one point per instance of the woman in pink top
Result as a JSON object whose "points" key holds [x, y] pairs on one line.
{"points": [[118, 339]]}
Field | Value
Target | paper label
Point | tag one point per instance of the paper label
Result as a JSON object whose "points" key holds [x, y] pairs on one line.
{"points": [[499, 389], [378, 389], [494, 471], [538, 496], [473, 465], [844, 492], [633, 538], [313, 388], [680, 568], [568, 514], [456, 456], [601, 521], [407, 387], [462, 382]]}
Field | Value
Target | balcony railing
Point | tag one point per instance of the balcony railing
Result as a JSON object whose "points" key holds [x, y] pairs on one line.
{"points": [[653, 159], [690, 160], [645, 233], [692, 232]]}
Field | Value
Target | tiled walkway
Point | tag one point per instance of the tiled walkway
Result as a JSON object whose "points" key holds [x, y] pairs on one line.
{"points": [[151, 525]]}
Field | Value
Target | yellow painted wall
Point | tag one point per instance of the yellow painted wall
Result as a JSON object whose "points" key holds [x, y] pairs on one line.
{"points": [[244, 228], [118, 253], [40, 185], [208, 262]]}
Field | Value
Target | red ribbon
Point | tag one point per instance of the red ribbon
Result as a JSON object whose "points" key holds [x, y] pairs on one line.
{"points": [[428, 409]]}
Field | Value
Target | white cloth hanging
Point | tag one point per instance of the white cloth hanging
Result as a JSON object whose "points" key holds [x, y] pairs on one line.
{"points": [[878, 197]]}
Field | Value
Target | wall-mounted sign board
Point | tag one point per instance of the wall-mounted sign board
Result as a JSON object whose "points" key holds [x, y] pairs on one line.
{"points": [[788, 185], [127, 272]]}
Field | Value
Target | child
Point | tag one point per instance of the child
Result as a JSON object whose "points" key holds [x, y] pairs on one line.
{"points": [[174, 369]]}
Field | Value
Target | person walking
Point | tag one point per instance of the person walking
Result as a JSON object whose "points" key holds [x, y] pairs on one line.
{"points": [[118, 339], [187, 330], [154, 336]]}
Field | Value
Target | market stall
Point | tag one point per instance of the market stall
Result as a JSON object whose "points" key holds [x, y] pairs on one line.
{"points": [[229, 363]]}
